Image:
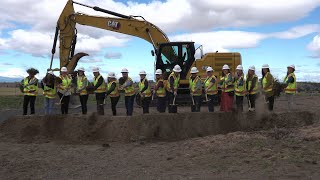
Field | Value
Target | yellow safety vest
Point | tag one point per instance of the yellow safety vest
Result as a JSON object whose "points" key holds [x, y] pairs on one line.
{"points": [[30, 90], [66, 82], [147, 92], [49, 92], [175, 83], [264, 84], [227, 87], [129, 91], [192, 86], [115, 92], [213, 89], [102, 88], [161, 92], [80, 81], [256, 85], [292, 87], [240, 90]]}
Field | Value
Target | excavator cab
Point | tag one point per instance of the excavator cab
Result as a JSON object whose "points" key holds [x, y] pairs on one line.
{"points": [[172, 53]]}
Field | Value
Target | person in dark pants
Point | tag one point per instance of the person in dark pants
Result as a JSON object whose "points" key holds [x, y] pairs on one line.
{"points": [[172, 88], [129, 91], [195, 87], [29, 86], [252, 88], [211, 89], [267, 86], [82, 83], [160, 92], [99, 90], [239, 88], [64, 87], [113, 92], [144, 91]]}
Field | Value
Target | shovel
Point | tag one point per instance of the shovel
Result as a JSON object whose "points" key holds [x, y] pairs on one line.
{"points": [[207, 100], [174, 102], [192, 100]]}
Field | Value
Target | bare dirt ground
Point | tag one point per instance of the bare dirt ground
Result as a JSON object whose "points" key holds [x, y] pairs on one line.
{"points": [[277, 146]]}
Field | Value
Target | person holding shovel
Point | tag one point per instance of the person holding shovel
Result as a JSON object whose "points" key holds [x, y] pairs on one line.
{"points": [[267, 86], [172, 88], [239, 88], [210, 89], [82, 83], [29, 86], [129, 91], [227, 88], [49, 92], [195, 87], [144, 91], [252, 88], [99, 90], [113, 92], [160, 92], [64, 86]]}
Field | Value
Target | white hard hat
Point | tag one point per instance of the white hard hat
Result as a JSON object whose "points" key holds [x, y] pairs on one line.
{"points": [[239, 67], [177, 68], [95, 69], [224, 67], [50, 72], [142, 72], [158, 71], [81, 69], [292, 66], [124, 70], [111, 75], [209, 69], [252, 68], [64, 69], [194, 70], [265, 66]]}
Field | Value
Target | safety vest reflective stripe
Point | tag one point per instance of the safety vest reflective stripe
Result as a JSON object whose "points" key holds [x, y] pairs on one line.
{"points": [[115, 92], [213, 89], [102, 88], [30, 90], [264, 83], [129, 91], [49, 92], [292, 87], [175, 83], [227, 87], [255, 88], [147, 92], [80, 81], [240, 90], [193, 84], [161, 90]]}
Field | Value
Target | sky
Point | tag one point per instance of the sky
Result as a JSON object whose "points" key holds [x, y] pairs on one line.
{"points": [[276, 32]]}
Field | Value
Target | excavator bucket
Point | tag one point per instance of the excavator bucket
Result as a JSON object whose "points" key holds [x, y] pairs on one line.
{"points": [[74, 61]]}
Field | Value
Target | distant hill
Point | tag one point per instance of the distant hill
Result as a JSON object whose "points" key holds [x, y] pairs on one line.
{"points": [[8, 79]]}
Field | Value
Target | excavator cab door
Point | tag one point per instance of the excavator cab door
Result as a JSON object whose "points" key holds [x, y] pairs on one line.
{"points": [[170, 54]]}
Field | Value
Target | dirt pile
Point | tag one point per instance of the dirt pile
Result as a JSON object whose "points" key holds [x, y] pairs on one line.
{"points": [[77, 129]]}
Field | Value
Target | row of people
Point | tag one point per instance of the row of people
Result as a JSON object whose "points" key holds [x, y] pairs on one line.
{"points": [[166, 93]]}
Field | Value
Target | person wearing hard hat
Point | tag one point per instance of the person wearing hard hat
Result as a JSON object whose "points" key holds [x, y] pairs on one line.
{"points": [[64, 89], [49, 92], [144, 91], [172, 88], [291, 85], [99, 89], [160, 92], [227, 89], [113, 92], [195, 87], [128, 88], [239, 88], [267, 86], [30, 90], [82, 84], [211, 88], [252, 87]]}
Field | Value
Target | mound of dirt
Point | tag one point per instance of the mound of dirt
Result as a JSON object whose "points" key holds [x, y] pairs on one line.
{"points": [[78, 129]]}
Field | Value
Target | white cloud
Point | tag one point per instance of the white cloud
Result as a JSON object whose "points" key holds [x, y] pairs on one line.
{"points": [[13, 73], [113, 55], [314, 46], [90, 60], [297, 32]]}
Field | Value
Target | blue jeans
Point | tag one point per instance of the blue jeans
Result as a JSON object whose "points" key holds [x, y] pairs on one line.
{"points": [[48, 105], [129, 100]]}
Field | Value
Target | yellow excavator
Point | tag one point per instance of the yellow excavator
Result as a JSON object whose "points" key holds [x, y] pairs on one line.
{"points": [[167, 54]]}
